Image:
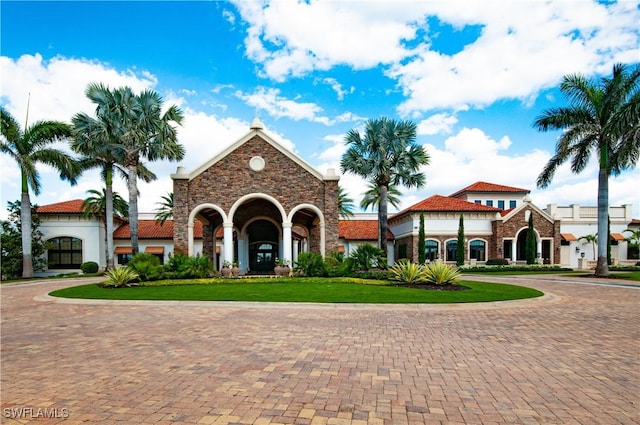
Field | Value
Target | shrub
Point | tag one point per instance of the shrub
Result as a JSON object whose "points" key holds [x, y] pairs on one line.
{"points": [[406, 272], [441, 274], [147, 266], [182, 266], [310, 264], [198, 266], [120, 277], [497, 262], [337, 265], [89, 267], [367, 257]]}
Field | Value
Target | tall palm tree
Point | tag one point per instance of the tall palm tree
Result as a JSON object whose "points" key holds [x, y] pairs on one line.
{"points": [[165, 210], [28, 148], [387, 155], [372, 197], [602, 118], [94, 139], [141, 131]]}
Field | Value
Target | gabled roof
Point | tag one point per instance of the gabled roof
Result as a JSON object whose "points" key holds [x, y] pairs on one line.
{"points": [[484, 187], [256, 129], [66, 207], [439, 203], [360, 230], [151, 229]]}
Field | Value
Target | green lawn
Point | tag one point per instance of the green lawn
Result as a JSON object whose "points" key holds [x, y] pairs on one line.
{"points": [[316, 290]]}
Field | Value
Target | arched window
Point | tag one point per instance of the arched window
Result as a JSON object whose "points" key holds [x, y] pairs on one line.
{"points": [[65, 253], [431, 249], [452, 246], [477, 250]]}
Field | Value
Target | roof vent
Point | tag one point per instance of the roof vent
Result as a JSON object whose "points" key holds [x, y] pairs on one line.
{"points": [[256, 124]]}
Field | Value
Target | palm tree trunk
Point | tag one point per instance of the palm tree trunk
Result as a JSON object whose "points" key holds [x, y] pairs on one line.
{"points": [[132, 185], [109, 216], [602, 267], [25, 226], [382, 219]]}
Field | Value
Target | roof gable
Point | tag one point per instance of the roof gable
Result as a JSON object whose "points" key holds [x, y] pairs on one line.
{"points": [[526, 205], [485, 187], [257, 129]]}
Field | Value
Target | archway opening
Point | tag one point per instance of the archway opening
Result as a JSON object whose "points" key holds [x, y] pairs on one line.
{"points": [[263, 246]]}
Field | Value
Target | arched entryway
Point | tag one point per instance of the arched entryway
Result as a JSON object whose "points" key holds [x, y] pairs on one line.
{"points": [[521, 245], [263, 237]]}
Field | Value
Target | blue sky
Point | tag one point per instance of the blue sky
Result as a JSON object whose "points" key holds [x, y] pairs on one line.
{"points": [[472, 75]]}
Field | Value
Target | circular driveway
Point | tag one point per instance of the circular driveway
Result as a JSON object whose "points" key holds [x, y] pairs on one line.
{"points": [[572, 358]]}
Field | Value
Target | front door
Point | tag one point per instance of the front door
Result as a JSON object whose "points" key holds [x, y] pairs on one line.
{"points": [[263, 246], [262, 257]]}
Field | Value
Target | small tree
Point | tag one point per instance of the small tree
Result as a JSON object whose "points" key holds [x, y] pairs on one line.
{"points": [[460, 245], [530, 243], [422, 249], [11, 235], [593, 240]]}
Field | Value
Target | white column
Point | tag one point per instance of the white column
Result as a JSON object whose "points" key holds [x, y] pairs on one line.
{"points": [[514, 250], [286, 243], [322, 242], [190, 239], [228, 242]]}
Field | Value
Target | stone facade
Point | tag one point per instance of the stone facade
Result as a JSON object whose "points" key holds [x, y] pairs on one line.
{"points": [[256, 179]]}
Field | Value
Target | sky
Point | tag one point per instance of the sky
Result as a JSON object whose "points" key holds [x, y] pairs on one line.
{"points": [[473, 76]]}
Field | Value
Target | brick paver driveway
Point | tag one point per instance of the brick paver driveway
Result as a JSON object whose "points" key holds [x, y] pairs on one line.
{"points": [[570, 361]]}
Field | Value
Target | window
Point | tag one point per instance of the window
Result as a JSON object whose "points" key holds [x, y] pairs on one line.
{"points": [[431, 250], [477, 249], [452, 246], [501, 205], [124, 258], [478, 202], [512, 204], [489, 203], [402, 251], [65, 253]]}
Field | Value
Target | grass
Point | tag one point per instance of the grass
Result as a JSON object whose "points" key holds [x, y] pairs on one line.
{"points": [[313, 290]]}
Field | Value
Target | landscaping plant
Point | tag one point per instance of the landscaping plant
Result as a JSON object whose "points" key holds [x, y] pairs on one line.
{"points": [[120, 277], [441, 274], [406, 272]]}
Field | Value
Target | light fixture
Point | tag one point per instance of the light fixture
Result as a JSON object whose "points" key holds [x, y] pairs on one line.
{"points": [[577, 249]]}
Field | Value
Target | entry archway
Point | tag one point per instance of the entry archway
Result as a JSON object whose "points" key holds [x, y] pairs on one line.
{"points": [[263, 239]]}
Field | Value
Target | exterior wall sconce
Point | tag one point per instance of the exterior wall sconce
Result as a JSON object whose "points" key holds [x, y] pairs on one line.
{"points": [[577, 249], [582, 255]]}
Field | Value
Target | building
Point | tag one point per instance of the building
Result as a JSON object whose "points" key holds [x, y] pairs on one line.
{"points": [[256, 202]]}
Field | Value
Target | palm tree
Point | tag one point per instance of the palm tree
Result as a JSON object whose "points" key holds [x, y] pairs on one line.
{"points": [[96, 205], [387, 155], [372, 197], [140, 131], [165, 211], [634, 243], [28, 148], [602, 118], [592, 239], [94, 139]]}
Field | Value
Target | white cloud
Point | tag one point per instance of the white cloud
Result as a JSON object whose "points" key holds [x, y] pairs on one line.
{"points": [[435, 124], [271, 101], [337, 87], [524, 47], [291, 38]]}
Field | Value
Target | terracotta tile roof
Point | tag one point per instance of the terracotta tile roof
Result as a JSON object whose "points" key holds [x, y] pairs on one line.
{"points": [[360, 230], [441, 203], [151, 229], [485, 187], [569, 237], [618, 237], [66, 207]]}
